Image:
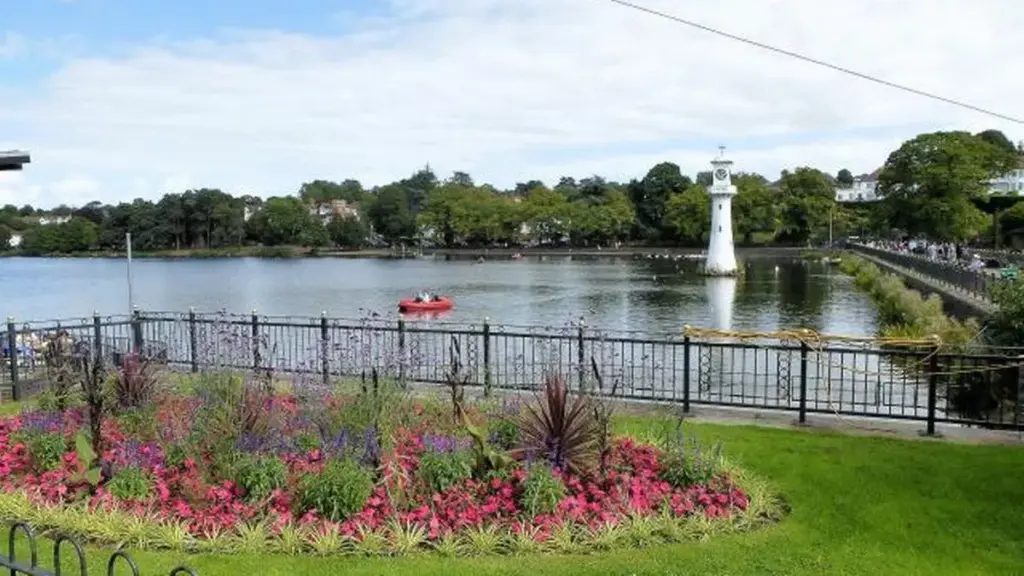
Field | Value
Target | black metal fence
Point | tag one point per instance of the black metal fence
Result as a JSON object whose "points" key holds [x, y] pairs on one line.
{"points": [[1005, 257], [27, 561], [932, 386], [950, 274]]}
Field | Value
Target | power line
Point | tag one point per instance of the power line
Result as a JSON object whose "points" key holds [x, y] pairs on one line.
{"points": [[815, 61]]}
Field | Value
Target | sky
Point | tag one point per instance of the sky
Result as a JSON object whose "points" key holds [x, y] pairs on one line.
{"points": [[119, 99]]}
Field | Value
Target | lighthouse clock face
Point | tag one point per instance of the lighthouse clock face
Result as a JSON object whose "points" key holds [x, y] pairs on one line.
{"points": [[721, 174]]}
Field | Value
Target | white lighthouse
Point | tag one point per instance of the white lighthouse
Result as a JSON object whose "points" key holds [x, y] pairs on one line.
{"points": [[721, 258]]}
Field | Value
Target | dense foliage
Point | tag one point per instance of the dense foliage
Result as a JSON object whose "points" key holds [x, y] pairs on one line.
{"points": [[933, 184], [220, 459]]}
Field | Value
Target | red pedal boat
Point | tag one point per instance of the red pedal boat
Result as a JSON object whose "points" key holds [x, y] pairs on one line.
{"points": [[430, 304]]}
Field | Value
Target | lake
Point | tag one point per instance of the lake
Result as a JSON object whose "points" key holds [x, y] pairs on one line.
{"points": [[641, 295]]}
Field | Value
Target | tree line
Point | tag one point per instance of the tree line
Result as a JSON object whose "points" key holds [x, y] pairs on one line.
{"points": [[935, 184]]}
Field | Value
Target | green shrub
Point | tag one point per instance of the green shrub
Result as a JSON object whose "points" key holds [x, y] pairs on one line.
{"points": [[175, 455], [442, 470], [542, 490], [258, 476], [130, 483], [687, 463], [904, 312], [56, 399], [307, 442], [1006, 326], [45, 448], [337, 492], [233, 406], [383, 403], [504, 433], [139, 423]]}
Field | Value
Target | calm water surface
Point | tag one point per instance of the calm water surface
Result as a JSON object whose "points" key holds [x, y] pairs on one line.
{"points": [[623, 294]]}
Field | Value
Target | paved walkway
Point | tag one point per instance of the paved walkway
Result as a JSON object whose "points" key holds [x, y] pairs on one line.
{"points": [[783, 419], [856, 425]]}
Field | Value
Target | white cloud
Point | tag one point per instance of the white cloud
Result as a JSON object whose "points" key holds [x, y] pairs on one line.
{"points": [[503, 88]]}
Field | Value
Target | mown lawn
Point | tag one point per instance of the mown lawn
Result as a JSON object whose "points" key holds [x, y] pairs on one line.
{"points": [[860, 505]]}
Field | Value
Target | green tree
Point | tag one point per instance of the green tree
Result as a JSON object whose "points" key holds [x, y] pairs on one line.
{"points": [[5, 237], [1011, 221], [601, 220], [844, 178], [75, 235], [806, 200], [416, 189], [318, 191], [931, 182], [461, 179], [616, 217], [999, 140], [390, 214], [688, 214], [546, 215], [347, 231], [522, 188], [753, 208], [444, 213], [285, 220], [651, 195]]}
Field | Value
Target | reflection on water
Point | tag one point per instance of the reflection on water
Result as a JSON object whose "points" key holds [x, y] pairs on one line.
{"points": [[721, 299], [625, 294], [609, 295]]}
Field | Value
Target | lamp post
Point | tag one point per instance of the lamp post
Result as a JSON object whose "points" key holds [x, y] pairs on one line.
{"points": [[11, 160], [128, 246]]}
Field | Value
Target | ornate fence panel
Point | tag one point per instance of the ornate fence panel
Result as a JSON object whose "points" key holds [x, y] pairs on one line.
{"points": [[983, 389], [23, 557]]}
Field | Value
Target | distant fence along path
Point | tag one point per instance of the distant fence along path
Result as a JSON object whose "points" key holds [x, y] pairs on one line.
{"points": [[933, 386]]}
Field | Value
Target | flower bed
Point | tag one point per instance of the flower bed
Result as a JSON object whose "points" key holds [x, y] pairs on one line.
{"points": [[232, 465]]}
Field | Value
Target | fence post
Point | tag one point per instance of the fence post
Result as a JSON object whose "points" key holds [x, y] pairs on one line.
{"points": [[581, 356], [12, 357], [401, 351], [325, 362], [256, 361], [1019, 398], [804, 349], [97, 338], [193, 341], [487, 356], [933, 390], [686, 374], [137, 340]]}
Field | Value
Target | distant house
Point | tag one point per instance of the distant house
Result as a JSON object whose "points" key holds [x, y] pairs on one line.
{"points": [[325, 211], [1010, 183], [864, 189], [15, 240], [51, 220]]}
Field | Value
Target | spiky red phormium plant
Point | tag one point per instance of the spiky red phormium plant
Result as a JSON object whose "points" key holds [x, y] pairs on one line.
{"points": [[560, 429], [135, 382]]}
